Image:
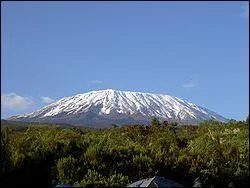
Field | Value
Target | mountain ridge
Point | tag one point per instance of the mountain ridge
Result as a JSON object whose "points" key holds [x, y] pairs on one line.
{"points": [[120, 107]]}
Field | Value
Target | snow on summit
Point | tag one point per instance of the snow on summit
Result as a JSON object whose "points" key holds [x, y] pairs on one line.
{"points": [[103, 107]]}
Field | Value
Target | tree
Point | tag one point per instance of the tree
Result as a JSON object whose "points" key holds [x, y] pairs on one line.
{"points": [[155, 121], [114, 126], [165, 123], [174, 124]]}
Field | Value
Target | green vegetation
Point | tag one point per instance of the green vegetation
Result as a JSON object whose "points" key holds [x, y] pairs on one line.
{"points": [[40, 155]]}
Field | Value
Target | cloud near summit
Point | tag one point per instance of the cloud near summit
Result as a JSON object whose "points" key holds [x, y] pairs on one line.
{"points": [[47, 100], [13, 101]]}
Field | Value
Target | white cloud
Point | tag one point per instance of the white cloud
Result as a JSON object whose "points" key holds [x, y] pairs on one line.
{"points": [[96, 82], [189, 85], [192, 82], [245, 11], [47, 100], [13, 101]]}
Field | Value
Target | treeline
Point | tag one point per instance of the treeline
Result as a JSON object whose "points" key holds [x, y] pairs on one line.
{"points": [[211, 154]]}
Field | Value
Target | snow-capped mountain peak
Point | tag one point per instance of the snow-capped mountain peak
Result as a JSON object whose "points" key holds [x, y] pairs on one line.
{"points": [[114, 106]]}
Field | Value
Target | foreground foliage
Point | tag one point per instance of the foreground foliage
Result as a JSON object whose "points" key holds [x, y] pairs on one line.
{"points": [[215, 153]]}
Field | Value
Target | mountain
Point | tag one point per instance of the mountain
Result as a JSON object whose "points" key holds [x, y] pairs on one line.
{"points": [[104, 107]]}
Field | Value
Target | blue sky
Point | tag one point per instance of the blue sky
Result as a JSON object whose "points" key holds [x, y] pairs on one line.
{"points": [[196, 51]]}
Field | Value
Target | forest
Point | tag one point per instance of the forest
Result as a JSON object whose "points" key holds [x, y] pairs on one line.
{"points": [[213, 153]]}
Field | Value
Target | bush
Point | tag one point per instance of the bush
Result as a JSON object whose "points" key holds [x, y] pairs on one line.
{"points": [[68, 170], [212, 152]]}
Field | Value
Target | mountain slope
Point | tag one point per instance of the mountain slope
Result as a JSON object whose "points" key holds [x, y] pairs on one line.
{"points": [[104, 107]]}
